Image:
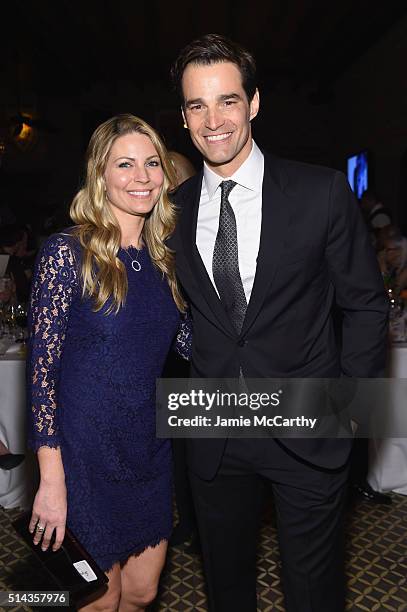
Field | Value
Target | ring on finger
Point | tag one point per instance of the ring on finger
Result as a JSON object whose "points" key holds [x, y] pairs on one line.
{"points": [[40, 528]]}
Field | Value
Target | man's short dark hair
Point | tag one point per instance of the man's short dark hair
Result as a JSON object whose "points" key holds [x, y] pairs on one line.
{"points": [[213, 49]]}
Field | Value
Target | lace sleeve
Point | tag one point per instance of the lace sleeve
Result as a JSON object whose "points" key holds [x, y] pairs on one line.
{"points": [[183, 339], [54, 286]]}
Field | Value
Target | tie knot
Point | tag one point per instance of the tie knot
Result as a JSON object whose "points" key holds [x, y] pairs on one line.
{"points": [[226, 187]]}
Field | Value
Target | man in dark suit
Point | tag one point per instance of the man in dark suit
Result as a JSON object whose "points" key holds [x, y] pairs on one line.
{"points": [[264, 249]]}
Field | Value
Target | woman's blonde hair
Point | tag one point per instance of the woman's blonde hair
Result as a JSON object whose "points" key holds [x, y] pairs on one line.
{"points": [[103, 274]]}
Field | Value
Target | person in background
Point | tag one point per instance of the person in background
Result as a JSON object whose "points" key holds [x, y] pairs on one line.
{"points": [[393, 260], [384, 233], [184, 169], [7, 289], [20, 241], [14, 242], [360, 488], [375, 213], [105, 308]]}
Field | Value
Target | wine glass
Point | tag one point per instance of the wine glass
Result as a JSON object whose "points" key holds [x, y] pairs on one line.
{"points": [[21, 320], [9, 313]]}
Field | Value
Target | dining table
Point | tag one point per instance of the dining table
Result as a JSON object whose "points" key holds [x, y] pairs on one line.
{"points": [[388, 455], [18, 485]]}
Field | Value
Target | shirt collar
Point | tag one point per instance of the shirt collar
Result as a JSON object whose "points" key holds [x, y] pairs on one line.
{"points": [[249, 175]]}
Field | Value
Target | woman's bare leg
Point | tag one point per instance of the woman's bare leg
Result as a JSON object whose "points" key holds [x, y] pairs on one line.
{"points": [[109, 602], [139, 578]]}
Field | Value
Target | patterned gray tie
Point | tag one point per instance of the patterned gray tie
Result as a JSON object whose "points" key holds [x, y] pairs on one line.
{"points": [[225, 263]]}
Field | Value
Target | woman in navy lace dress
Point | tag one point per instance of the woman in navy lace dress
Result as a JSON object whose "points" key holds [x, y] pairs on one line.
{"points": [[105, 309]]}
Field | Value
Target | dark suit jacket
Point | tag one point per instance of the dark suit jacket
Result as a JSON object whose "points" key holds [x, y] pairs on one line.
{"points": [[314, 253]]}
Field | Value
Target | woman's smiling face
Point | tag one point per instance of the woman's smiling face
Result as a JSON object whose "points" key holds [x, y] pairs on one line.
{"points": [[133, 176]]}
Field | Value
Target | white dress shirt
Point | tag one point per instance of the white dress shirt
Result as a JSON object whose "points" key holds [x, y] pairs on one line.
{"points": [[246, 201]]}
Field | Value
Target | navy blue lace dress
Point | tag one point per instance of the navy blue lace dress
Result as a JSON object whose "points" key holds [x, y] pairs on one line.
{"points": [[92, 393]]}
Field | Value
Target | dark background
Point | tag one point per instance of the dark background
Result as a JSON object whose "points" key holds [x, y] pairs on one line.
{"points": [[332, 78]]}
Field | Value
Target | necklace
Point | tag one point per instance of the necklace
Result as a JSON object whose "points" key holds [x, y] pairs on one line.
{"points": [[135, 264]]}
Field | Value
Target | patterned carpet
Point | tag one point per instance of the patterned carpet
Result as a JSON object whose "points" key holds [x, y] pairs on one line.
{"points": [[376, 565]]}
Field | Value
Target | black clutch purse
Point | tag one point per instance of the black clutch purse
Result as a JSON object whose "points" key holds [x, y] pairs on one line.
{"points": [[71, 567]]}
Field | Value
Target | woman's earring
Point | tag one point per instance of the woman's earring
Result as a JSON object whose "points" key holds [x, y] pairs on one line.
{"points": [[185, 125]]}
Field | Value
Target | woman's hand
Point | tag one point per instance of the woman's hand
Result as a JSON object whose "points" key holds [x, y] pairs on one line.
{"points": [[50, 505], [49, 513]]}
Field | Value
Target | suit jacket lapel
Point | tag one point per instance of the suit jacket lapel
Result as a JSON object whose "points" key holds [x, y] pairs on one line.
{"points": [[188, 231], [275, 216]]}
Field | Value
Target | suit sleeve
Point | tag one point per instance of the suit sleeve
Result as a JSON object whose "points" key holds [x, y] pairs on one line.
{"points": [[358, 284]]}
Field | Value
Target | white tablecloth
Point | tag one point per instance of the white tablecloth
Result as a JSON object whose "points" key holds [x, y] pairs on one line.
{"points": [[17, 485], [388, 456]]}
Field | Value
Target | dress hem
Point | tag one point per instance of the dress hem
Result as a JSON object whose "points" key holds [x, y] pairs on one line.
{"points": [[136, 551]]}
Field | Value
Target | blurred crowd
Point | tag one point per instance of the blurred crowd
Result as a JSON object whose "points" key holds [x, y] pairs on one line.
{"points": [[19, 246], [389, 243], [21, 243]]}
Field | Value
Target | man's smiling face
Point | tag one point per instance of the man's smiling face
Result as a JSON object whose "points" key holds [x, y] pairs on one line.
{"points": [[218, 114]]}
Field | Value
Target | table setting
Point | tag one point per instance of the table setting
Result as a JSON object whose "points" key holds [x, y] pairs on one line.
{"points": [[388, 456], [17, 485]]}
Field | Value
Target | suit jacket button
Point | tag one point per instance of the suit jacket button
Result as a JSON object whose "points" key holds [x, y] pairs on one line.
{"points": [[241, 342]]}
